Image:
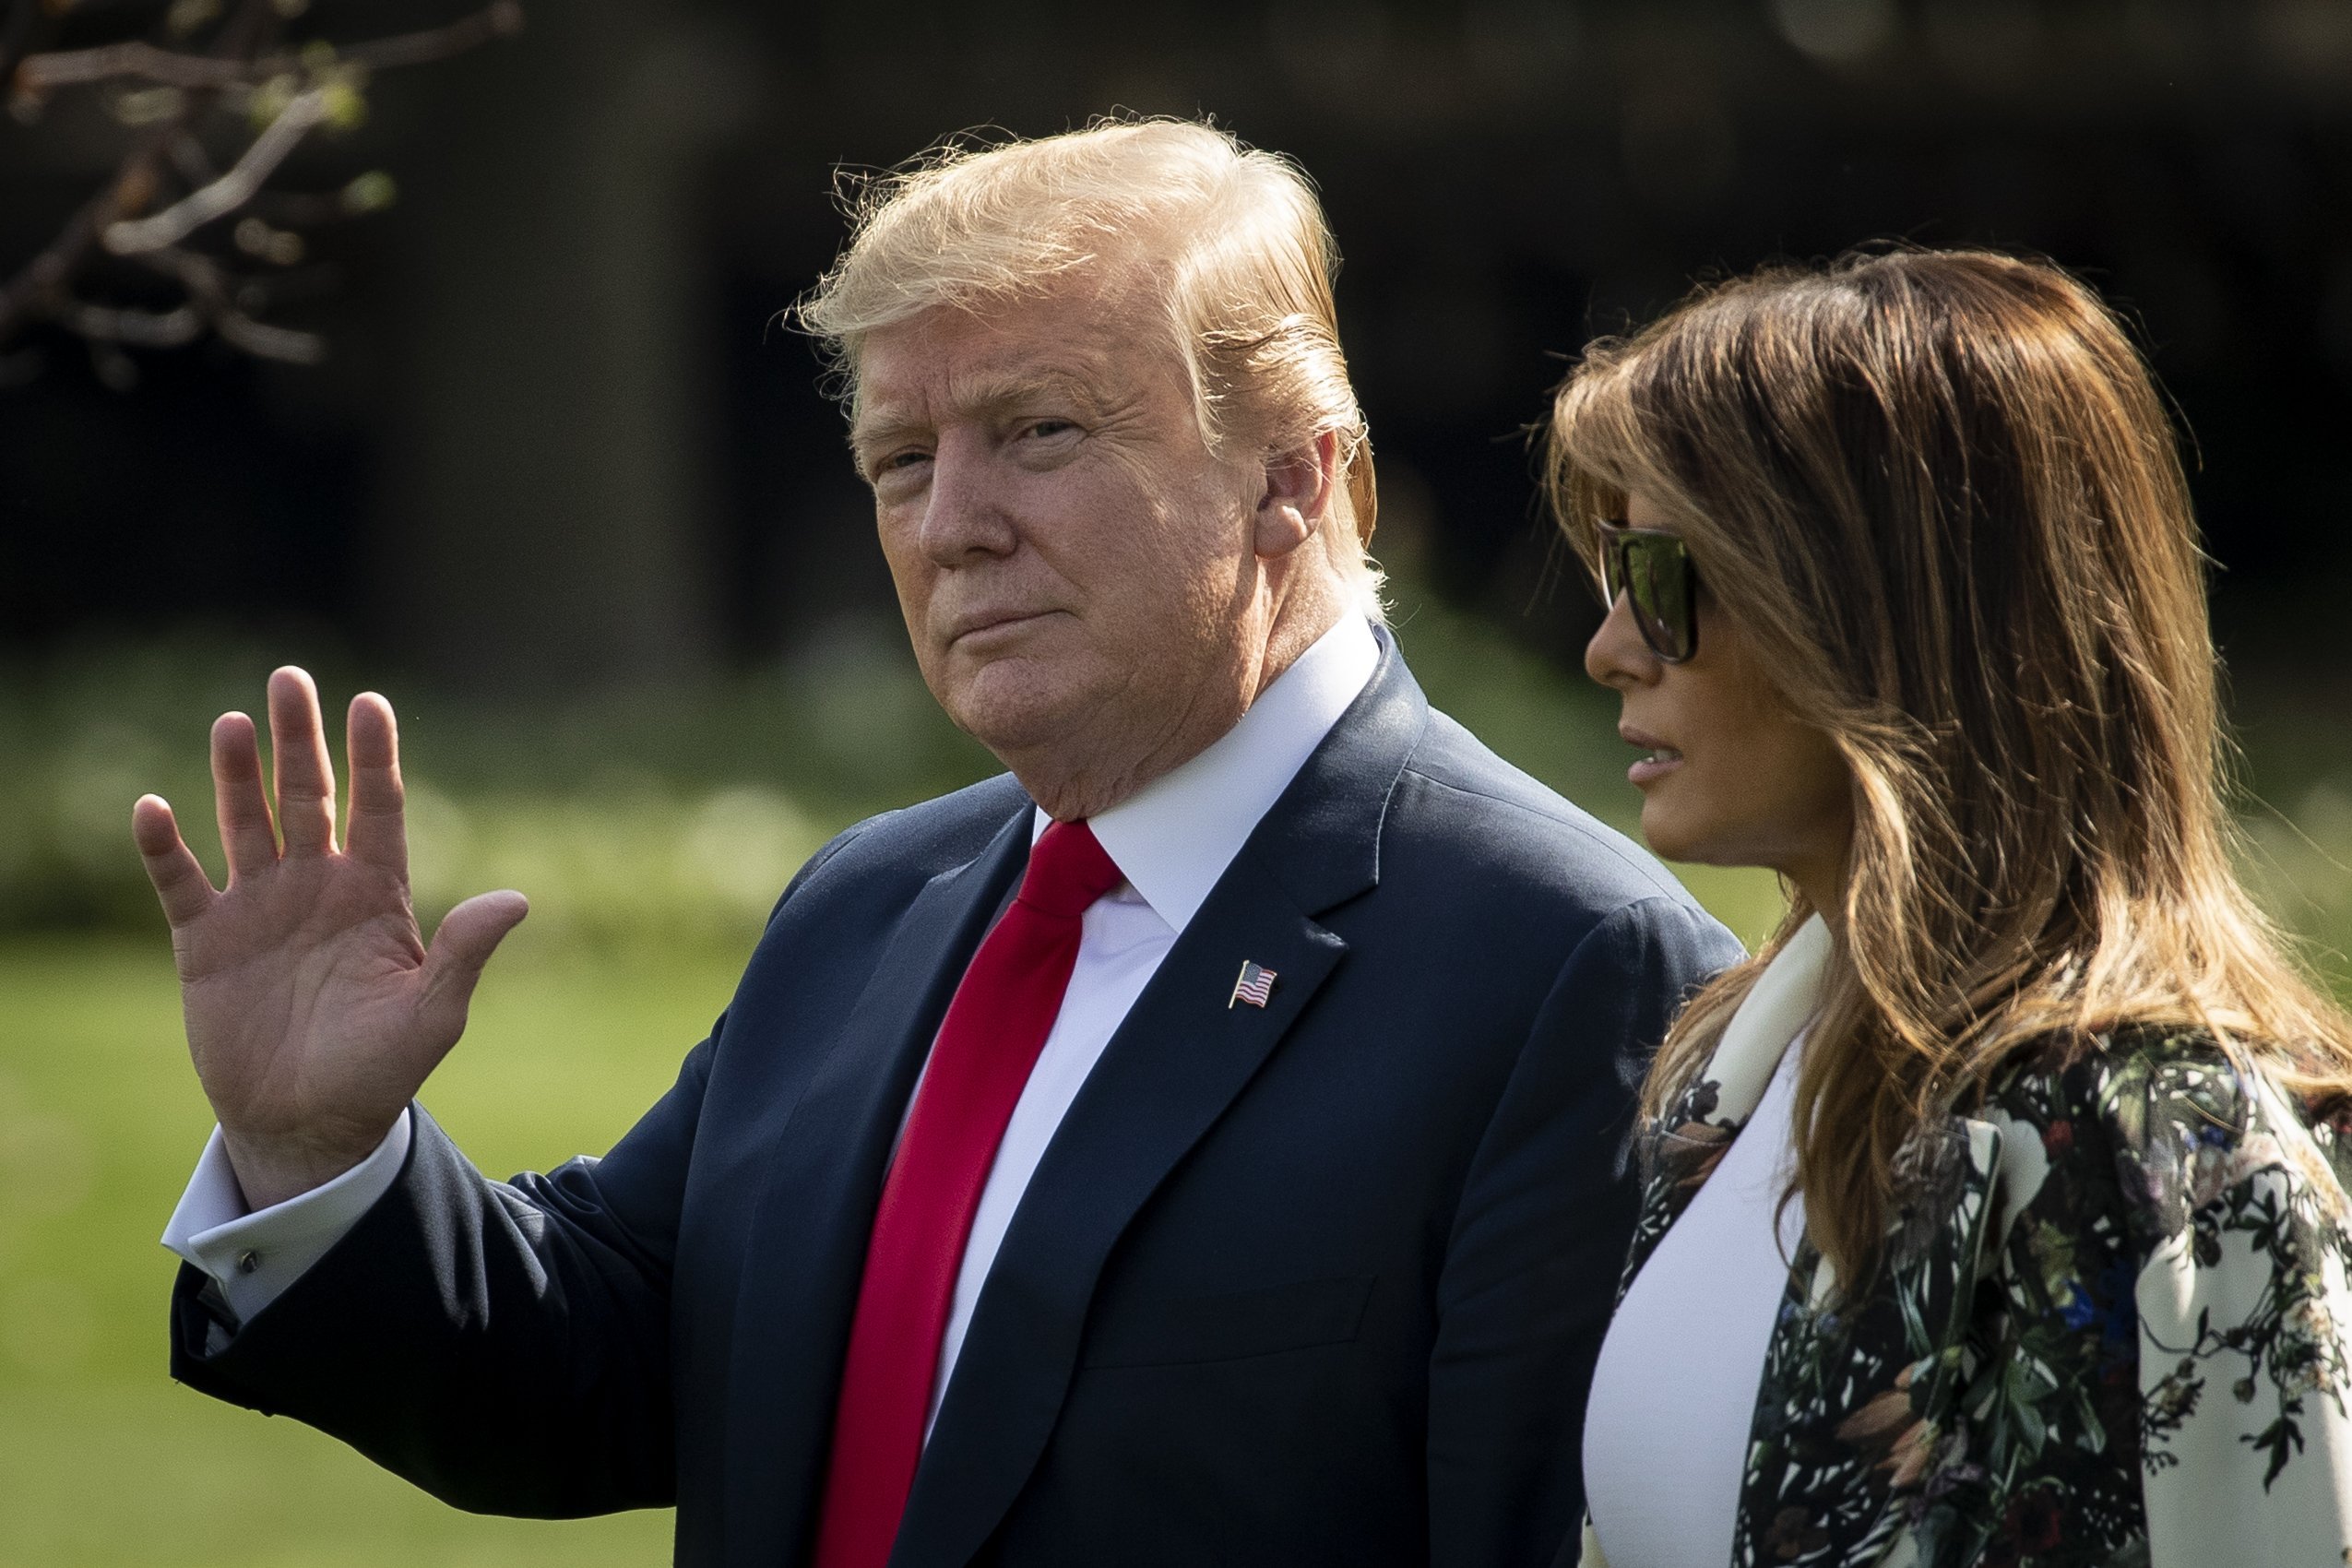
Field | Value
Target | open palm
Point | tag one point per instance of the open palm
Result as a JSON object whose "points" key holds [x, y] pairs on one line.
{"points": [[315, 1008]]}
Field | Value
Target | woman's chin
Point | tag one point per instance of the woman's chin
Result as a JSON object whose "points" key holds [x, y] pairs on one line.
{"points": [[1669, 839], [1690, 843]]}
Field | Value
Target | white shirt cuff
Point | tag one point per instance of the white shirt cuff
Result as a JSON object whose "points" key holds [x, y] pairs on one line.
{"points": [[255, 1256]]}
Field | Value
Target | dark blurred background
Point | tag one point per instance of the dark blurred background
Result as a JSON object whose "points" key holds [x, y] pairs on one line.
{"points": [[562, 437], [567, 489]]}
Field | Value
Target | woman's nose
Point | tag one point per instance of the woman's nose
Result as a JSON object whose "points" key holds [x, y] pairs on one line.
{"points": [[1617, 657]]}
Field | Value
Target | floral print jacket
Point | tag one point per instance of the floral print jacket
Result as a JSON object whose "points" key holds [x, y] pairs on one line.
{"points": [[2113, 1331]]}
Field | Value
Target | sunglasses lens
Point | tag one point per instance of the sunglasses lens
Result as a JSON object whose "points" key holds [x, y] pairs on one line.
{"points": [[1652, 571], [1662, 577]]}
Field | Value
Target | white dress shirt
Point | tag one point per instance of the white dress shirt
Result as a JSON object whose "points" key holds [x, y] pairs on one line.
{"points": [[1171, 840], [1674, 1393]]}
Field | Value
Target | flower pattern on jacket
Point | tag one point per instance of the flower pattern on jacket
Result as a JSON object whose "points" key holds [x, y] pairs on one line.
{"points": [[2110, 1328]]}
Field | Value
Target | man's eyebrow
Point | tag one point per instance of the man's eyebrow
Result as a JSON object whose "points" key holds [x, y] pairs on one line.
{"points": [[985, 394], [1014, 387], [868, 431]]}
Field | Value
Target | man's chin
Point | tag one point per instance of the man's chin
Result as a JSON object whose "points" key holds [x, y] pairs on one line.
{"points": [[1014, 714]]}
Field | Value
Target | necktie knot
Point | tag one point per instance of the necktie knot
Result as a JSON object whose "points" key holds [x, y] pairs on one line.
{"points": [[1069, 870]]}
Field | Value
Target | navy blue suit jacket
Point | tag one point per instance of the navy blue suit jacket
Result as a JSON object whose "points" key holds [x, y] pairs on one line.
{"points": [[1319, 1283]]}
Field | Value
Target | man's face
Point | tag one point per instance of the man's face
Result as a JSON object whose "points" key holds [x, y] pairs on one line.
{"points": [[1075, 565]]}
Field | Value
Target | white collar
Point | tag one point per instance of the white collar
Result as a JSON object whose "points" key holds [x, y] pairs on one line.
{"points": [[1775, 1010], [1174, 837]]}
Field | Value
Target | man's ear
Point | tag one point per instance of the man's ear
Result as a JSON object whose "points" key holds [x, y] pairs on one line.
{"points": [[1300, 487]]}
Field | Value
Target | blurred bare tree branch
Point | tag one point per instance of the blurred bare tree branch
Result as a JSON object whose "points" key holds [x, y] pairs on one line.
{"points": [[208, 64]]}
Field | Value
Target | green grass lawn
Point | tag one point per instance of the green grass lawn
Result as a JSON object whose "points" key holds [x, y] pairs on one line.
{"points": [[103, 1460]]}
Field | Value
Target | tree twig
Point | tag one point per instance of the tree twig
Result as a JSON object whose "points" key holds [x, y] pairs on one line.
{"points": [[139, 61], [301, 114], [208, 284], [503, 18], [243, 58], [140, 328], [40, 289]]}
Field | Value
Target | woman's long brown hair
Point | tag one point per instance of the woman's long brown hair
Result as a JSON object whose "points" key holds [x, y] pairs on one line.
{"points": [[1938, 493]]}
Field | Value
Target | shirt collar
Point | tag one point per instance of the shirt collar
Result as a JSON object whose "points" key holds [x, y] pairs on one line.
{"points": [[1173, 839], [1775, 1012]]}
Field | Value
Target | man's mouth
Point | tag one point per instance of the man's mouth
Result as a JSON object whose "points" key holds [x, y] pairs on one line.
{"points": [[977, 626]]}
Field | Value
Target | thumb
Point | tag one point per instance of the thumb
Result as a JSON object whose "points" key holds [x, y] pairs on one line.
{"points": [[469, 935]]}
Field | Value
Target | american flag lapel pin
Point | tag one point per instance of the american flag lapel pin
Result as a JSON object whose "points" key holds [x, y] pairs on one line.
{"points": [[1254, 986]]}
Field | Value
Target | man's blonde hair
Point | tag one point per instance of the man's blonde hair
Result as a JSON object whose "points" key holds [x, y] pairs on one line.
{"points": [[1232, 235]]}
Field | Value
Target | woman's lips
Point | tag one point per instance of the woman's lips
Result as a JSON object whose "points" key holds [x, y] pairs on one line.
{"points": [[1649, 769], [1662, 760]]}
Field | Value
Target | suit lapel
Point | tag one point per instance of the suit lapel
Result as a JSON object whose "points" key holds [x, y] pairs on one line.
{"points": [[807, 1240], [1165, 1078]]}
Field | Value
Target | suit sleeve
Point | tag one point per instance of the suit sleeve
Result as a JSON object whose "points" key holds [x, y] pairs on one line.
{"points": [[504, 1345], [1546, 1214]]}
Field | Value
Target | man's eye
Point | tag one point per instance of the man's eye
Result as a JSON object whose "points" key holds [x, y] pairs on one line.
{"points": [[1049, 427], [898, 462]]}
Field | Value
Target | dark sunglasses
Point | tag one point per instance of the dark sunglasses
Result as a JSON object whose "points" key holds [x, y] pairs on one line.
{"points": [[1651, 567]]}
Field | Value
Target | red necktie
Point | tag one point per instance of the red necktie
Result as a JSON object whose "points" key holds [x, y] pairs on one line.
{"points": [[995, 1028]]}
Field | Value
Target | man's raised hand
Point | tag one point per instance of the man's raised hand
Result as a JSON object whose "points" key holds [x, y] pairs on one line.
{"points": [[315, 1009]]}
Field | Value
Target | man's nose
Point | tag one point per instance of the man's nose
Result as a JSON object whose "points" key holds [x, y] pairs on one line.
{"points": [[1618, 656], [965, 512]]}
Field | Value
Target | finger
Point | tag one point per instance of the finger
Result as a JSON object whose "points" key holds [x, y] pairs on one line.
{"points": [[304, 777], [237, 799], [378, 832], [469, 935], [179, 881]]}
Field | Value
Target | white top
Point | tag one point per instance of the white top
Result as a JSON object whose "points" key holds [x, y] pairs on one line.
{"points": [[1673, 1396], [1173, 840]]}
